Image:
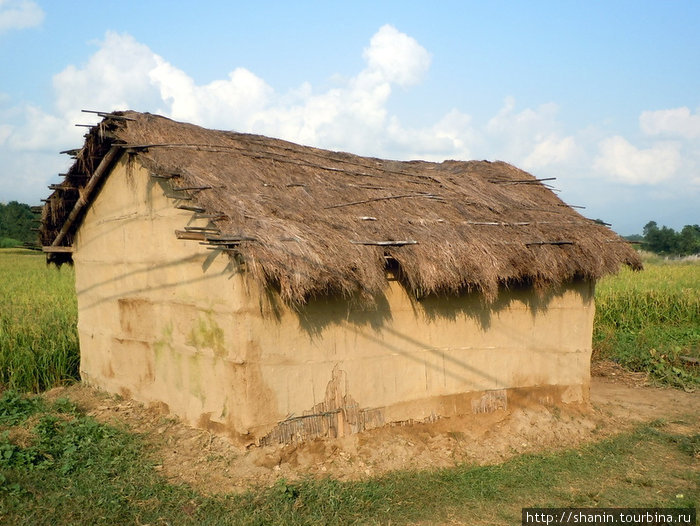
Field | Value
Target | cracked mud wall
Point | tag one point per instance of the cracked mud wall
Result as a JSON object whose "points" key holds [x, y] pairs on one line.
{"points": [[163, 322]]}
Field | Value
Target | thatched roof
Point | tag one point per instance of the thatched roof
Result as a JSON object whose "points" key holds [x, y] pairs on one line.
{"points": [[311, 222]]}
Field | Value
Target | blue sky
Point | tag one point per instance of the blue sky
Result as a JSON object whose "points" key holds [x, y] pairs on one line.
{"points": [[605, 96]]}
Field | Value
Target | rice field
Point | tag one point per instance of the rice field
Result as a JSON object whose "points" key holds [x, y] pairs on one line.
{"points": [[650, 321], [38, 317], [647, 321]]}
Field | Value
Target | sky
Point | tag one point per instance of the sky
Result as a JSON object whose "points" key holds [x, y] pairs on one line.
{"points": [[604, 96]]}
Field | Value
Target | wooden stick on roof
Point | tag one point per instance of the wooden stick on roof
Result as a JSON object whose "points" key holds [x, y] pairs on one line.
{"points": [[386, 243], [385, 198], [111, 115], [84, 198]]}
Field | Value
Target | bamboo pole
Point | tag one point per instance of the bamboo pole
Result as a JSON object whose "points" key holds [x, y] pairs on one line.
{"points": [[426, 196], [194, 236], [106, 114], [85, 195], [385, 243]]}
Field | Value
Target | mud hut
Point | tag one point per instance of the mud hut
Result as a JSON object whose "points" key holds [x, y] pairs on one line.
{"points": [[273, 292]]}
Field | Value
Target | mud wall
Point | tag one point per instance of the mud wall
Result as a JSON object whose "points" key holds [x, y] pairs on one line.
{"points": [[167, 321]]}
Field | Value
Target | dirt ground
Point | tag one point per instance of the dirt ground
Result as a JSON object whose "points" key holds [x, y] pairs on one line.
{"points": [[211, 464]]}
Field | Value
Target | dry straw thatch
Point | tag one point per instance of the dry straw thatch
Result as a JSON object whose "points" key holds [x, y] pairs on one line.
{"points": [[311, 222]]}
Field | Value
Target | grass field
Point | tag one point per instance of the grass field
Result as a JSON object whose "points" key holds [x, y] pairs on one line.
{"points": [[649, 320], [38, 316]]}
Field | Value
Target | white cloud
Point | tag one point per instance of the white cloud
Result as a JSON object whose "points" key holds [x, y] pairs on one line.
{"points": [[671, 151], [396, 57], [41, 131], [626, 163], [678, 122], [5, 131], [126, 74], [115, 77], [19, 14], [507, 120], [217, 104], [551, 150], [531, 138], [453, 135]]}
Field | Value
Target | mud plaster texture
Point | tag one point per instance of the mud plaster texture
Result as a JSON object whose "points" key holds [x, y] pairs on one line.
{"points": [[166, 322], [213, 464]]}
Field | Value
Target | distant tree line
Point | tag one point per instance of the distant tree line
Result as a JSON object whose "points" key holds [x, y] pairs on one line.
{"points": [[666, 241], [16, 223]]}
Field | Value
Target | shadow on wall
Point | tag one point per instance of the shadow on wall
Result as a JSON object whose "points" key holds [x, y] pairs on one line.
{"points": [[320, 313], [372, 325], [146, 269]]}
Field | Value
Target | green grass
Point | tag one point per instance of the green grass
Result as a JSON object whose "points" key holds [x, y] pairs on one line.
{"points": [[648, 320], [59, 466], [38, 316]]}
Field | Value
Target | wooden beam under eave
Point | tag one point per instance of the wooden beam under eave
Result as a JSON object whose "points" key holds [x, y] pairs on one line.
{"points": [[194, 236], [52, 249]]}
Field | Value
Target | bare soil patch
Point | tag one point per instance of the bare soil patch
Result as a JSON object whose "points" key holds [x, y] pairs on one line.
{"points": [[211, 464]]}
